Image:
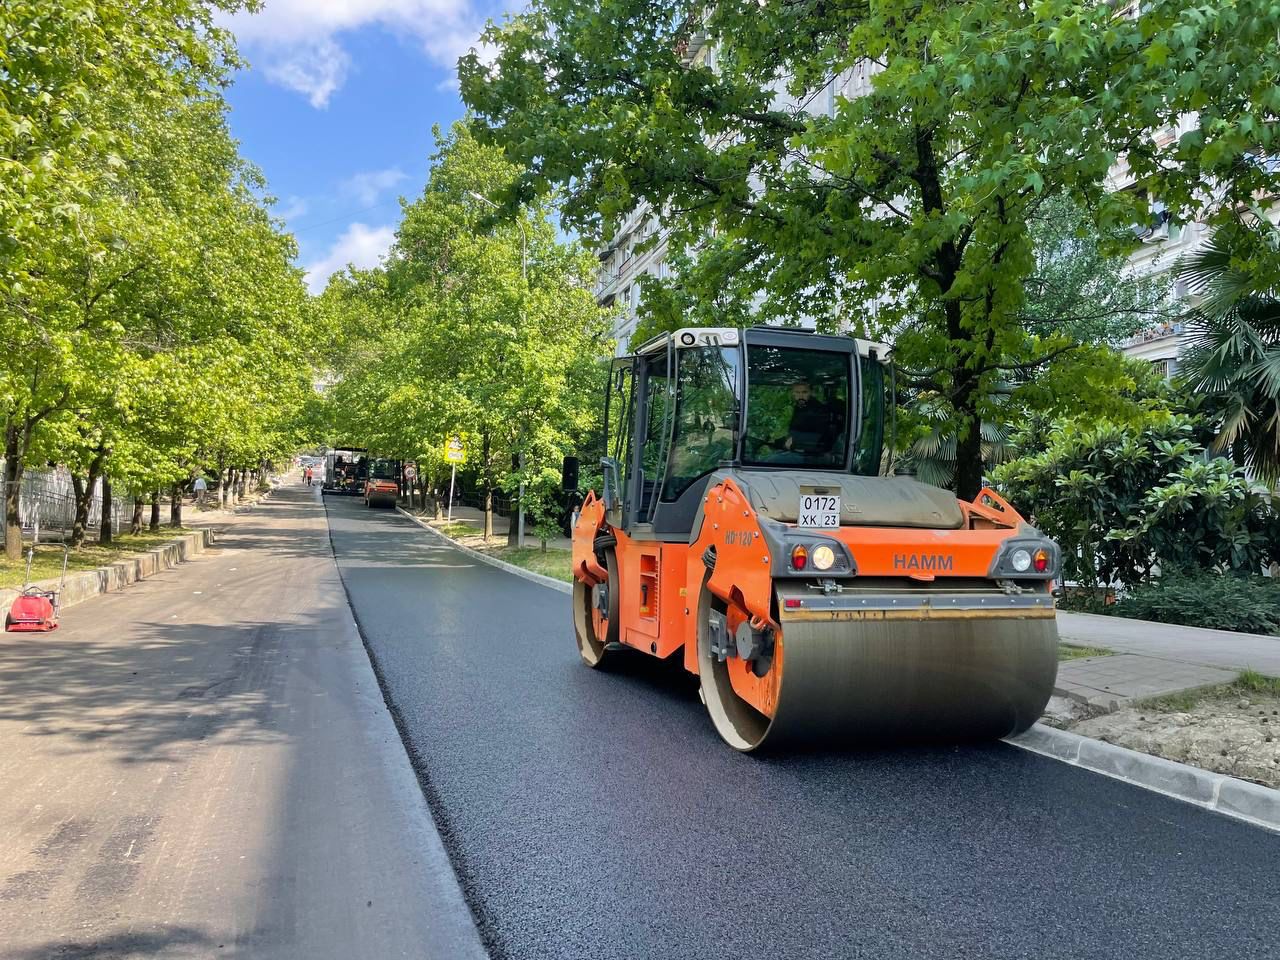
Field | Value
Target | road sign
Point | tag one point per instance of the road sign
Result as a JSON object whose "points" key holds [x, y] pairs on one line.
{"points": [[453, 451]]}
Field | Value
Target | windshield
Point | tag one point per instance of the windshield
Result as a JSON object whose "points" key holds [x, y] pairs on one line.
{"points": [[382, 470], [797, 407]]}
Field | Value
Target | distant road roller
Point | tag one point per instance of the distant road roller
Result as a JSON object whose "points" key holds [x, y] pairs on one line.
{"points": [[743, 526]]}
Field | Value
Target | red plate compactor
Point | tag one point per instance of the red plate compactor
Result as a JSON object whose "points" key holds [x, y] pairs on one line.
{"points": [[36, 610]]}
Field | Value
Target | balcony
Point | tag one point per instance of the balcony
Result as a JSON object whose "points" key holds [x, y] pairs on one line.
{"points": [[1162, 331]]}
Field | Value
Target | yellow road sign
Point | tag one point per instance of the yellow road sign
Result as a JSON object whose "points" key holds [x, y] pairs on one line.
{"points": [[453, 450]]}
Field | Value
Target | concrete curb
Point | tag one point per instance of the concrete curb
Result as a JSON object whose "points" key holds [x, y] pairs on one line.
{"points": [[543, 579], [116, 576], [1254, 804]]}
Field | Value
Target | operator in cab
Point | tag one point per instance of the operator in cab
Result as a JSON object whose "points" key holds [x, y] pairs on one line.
{"points": [[814, 424], [813, 427]]}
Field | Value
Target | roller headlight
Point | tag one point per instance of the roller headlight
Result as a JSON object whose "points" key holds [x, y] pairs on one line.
{"points": [[823, 557], [1020, 560]]}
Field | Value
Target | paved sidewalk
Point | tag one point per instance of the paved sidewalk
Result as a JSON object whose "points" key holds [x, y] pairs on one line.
{"points": [[203, 766], [1154, 659]]}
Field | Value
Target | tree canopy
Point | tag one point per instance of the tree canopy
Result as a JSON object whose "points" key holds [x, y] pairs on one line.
{"points": [[152, 318], [479, 325], [881, 167]]}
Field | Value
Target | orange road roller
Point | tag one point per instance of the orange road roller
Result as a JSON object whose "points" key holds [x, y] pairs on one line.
{"points": [[743, 526]]}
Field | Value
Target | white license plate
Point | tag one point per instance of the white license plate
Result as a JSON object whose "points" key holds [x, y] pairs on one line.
{"points": [[819, 510]]}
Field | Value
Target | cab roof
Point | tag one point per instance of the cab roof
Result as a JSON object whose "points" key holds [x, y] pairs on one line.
{"points": [[687, 337]]}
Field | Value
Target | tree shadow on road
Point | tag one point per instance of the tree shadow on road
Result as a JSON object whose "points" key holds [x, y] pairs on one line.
{"points": [[151, 696], [175, 942]]}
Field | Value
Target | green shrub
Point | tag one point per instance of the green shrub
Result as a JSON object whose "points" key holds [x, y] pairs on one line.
{"points": [[1123, 500], [1219, 602]]}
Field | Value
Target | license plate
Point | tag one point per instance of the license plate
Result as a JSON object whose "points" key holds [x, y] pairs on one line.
{"points": [[819, 510]]}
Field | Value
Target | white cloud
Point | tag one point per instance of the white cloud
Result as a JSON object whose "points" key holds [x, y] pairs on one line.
{"points": [[315, 69], [293, 208], [297, 41], [359, 246], [368, 187]]}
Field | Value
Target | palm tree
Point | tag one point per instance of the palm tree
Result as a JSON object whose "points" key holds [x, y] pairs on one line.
{"points": [[1234, 355], [932, 457]]}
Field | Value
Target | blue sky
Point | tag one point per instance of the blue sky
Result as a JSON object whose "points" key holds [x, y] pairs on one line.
{"points": [[337, 109]]}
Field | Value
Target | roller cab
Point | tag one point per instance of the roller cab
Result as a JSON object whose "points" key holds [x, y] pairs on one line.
{"points": [[743, 527]]}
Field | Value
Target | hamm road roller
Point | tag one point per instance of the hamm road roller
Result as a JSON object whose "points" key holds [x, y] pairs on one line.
{"points": [[743, 526]]}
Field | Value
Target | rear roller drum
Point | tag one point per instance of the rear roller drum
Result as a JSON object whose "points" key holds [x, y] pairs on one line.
{"points": [[595, 614]]}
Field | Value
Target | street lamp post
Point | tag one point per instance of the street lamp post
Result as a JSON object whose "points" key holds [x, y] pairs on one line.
{"points": [[524, 280]]}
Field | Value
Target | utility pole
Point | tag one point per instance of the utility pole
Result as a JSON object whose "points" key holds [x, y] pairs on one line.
{"points": [[524, 281]]}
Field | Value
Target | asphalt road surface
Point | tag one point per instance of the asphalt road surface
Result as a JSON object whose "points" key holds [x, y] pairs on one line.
{"points": [[202, 766], [597, 815]]}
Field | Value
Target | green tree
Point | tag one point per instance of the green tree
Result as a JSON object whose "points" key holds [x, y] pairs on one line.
{"points": [[904, 211], [481, 325], [140, 257]]}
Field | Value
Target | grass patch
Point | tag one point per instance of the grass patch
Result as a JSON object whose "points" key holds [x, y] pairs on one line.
{"points": [[458, 528], [47, 564], [1068, 651], [1255, 682], [1249, 682], [553, 563]]}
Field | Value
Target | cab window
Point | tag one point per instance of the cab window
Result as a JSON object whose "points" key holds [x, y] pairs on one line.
{"points": [[871, 435], [705, 416]]}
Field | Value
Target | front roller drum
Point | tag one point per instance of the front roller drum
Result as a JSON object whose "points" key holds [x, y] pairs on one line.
{"points": [[874, 680]]}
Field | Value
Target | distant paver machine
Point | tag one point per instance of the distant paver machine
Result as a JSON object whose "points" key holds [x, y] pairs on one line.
{"points": [[743, 526]]}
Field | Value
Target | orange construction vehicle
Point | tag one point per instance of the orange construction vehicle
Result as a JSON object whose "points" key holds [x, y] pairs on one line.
{"points": [[743, 526], [382, 484]]}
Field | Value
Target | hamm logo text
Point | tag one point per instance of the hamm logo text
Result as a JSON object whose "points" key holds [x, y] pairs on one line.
{"points": [[932, 562]]}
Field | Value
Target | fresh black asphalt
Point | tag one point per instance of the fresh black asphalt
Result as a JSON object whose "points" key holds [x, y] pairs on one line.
{"points": [[597, 815]]}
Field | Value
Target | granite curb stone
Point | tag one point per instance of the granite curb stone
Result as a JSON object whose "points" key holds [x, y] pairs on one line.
{"points": [[116, 576], [543, 579], [1228, 796]]}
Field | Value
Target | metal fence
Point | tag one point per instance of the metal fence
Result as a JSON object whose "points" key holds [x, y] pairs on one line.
{"points": [[502, 504], [49, 496]]}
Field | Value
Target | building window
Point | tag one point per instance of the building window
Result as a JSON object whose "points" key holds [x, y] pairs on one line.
{"points": [[1162, 368]]}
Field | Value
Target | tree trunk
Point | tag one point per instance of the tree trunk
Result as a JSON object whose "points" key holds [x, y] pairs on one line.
{"points": [[175, 505], [84, 498], [13, 465], [80, 495], [969, 461], [104, 529], [513, 523], [242, 483], [513, 519], [488, 485], [155, 510], [135, 525], [222, 482]]}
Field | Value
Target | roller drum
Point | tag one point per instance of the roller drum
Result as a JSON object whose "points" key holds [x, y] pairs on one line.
{"points": [[940, 678]]}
